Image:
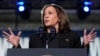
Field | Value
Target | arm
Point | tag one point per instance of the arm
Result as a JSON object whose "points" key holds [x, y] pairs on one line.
{"points": [[77, 41], [33, 40]]}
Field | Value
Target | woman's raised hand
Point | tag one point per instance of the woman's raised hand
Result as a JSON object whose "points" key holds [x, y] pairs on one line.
{"points": [[87, 38], [11, 37]]}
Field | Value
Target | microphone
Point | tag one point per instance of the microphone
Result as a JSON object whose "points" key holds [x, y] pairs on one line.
{"points": [[41, 31], [52, 31], [41, 34]]}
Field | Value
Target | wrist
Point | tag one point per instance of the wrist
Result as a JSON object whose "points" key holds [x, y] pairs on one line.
{"points": [[16, 45], [85, 45]]}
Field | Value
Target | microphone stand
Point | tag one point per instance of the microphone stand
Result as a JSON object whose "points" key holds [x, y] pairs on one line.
{"points": [[43, 36], [50, 35], [46, 36]]}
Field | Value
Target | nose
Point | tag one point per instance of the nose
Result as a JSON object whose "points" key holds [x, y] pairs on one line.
{"points": [[46, 16]]}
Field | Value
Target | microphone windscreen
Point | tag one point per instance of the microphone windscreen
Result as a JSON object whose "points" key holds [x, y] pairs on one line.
{"points": [[52, 30], [41, 30]]}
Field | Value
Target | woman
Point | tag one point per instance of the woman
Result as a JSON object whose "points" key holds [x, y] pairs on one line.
{"points": [[53, 16]]}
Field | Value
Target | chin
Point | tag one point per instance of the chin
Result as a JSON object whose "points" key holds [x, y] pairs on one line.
{"points": [[47, 25]]}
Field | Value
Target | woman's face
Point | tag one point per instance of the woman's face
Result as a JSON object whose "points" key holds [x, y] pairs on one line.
{"points": [[50, 17]]}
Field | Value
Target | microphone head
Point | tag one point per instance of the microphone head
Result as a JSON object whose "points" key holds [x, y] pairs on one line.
{"points": [[52, 30], [41, 30]]}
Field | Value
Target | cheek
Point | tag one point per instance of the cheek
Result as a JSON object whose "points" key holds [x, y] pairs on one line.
{"points": [[54, 19], [51, 22]]}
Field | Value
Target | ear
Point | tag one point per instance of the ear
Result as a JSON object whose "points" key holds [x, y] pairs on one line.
{"points": [[59, 20]]}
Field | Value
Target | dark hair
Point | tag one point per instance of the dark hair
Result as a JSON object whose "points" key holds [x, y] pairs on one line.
{"points": [[64, 22]]}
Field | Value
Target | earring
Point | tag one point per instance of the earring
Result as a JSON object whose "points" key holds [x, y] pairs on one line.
{"points": [[59, 20]]}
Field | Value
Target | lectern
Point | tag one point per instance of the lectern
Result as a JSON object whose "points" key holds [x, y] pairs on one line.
{"points": [[47, 52]]}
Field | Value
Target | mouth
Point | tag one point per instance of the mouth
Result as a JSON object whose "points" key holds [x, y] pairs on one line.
{"points": [[46, 21]]}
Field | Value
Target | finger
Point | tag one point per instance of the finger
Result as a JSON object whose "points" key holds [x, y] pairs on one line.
{"points": [[91, 40], [85, 31], [6, 33], [10, 30], [93, 36], [9, 41], [19, 33], [5, 36], [92, 31]]}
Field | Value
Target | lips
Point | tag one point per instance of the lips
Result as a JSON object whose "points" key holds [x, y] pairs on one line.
{"points": [[46, 21]]}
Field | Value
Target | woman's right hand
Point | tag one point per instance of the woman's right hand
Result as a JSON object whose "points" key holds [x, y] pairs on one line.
{"points": [[11, 37]]}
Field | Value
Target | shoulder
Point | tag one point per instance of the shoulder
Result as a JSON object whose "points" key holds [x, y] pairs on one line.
{"points": [[72, 34], [34, 36]]}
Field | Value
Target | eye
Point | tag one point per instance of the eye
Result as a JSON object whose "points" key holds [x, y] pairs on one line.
{"points": [[50, 12], [43, 13]]}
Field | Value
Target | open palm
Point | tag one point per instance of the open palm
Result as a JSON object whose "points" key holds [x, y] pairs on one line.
{"points": [[87, 38], [11, 37]]}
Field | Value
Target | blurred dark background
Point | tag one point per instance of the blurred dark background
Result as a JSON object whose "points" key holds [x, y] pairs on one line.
{"points": [[82, 14], [38, 4], [8, 17]]}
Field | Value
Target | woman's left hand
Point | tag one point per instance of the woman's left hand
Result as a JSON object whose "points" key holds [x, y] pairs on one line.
{"points": [[87, 38]]}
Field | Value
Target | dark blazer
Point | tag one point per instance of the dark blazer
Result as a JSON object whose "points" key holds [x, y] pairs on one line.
{"points": [[59, 40]]}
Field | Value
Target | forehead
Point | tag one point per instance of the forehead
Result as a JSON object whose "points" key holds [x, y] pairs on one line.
{"points": [[50, 8]]}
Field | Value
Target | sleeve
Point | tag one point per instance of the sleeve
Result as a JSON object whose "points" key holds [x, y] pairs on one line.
{"points": [[87, 47], [17, 46], [77, 41], [33, 41], [30, 41]]}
